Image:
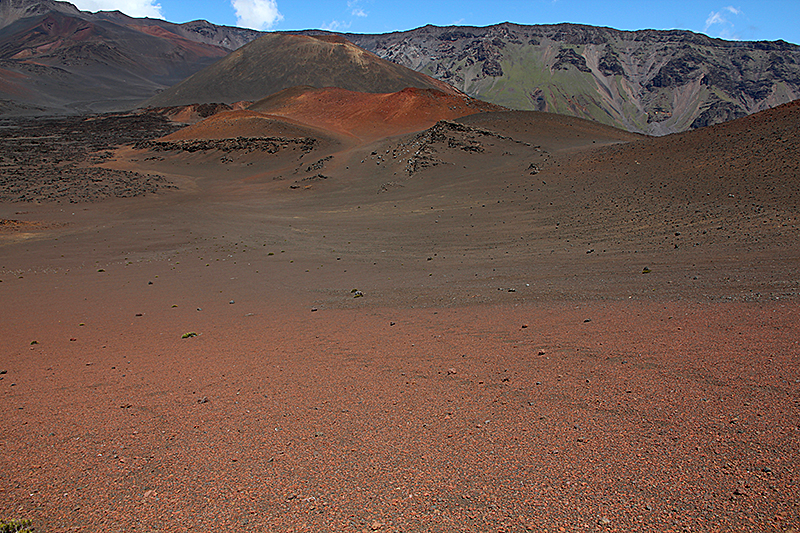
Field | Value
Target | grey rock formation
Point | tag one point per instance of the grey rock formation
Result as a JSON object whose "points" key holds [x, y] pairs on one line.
{"points": [[647, 81]]}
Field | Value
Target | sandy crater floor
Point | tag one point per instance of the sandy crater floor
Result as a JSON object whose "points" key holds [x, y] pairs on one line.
{"points": [[509, 367]]}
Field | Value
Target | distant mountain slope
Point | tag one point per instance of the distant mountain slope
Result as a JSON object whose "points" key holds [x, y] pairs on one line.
{"points": [[55, 58], [648, 81], [278, 61]]}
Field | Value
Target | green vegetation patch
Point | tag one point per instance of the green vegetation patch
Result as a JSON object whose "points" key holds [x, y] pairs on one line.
{"points": [[16, 526]]}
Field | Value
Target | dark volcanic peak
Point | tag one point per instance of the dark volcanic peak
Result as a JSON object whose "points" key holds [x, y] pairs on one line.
{"points": [[55, 58], [279, 61], [650, 81], [200, 31]]}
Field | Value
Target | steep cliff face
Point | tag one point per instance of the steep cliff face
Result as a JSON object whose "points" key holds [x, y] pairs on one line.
{"points": [[649, 81]]}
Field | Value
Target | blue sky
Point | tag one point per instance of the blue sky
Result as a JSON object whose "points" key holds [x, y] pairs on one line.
{"points": [[738, 20]]}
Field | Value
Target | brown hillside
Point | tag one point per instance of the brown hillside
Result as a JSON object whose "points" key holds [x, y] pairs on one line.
{"points": [[279, 61], [743, 174], [550, 129]]}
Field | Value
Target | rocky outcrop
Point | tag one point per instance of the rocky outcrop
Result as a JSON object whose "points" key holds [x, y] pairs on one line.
{"points": [[424, 146], [716, 113], [269, 145], [567, 57]]}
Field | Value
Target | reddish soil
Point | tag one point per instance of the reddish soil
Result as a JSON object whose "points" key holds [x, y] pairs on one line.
{"points": [[558, 327], [370, 116], [246, 123]]}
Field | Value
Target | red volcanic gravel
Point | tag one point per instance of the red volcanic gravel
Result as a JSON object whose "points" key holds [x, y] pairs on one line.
{"points": [[556, 416], [518, 322]]}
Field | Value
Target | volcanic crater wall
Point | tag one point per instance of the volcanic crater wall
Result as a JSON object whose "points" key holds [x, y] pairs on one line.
{"points": [[648, 81]]}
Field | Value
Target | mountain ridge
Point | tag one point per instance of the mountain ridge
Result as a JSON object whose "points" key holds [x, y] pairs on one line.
{"points": [[650, 81], [202, 31]]}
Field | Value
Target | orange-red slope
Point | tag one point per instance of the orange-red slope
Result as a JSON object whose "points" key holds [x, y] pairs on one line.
{"points": [[370, 116]]}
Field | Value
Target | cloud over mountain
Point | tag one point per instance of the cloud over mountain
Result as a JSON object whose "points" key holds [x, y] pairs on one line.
{"points": [[256, 14], [721, 22]]}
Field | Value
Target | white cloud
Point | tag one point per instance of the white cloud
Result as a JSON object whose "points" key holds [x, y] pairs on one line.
{"points": [[335, 25], [355, 9], [256, 14], [715, 17], [722, 25], [132, 8]]}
